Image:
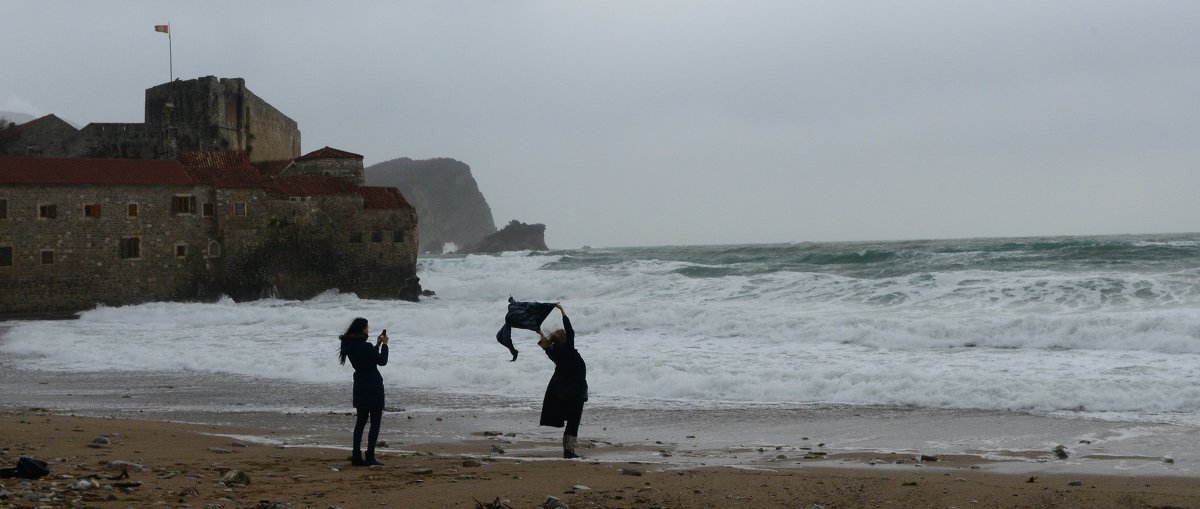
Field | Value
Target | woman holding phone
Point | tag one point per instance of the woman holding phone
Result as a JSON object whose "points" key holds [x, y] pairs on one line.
{"points": [[368, 384]]}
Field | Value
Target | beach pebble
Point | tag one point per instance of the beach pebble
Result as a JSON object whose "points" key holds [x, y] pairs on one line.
{"points": [[471, 463], [235, 477], [497, 449], [1168, 460], [631, 471], [85, 484], [101, 440], [929, 457], [123, 465], [554, 503], [1075, 483], [580, 487]]}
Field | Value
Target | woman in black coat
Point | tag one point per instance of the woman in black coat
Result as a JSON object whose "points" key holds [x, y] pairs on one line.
{"points": [[368, 384], [568, 387]]}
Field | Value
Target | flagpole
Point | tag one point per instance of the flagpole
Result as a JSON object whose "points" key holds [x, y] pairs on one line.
{"points": [[170, 53]]}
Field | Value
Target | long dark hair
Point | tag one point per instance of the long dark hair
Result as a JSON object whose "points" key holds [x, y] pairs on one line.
{"points": [[356, 331]]}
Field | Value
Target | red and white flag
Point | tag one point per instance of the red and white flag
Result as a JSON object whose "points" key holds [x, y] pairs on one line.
{"points": [[166, 29]]}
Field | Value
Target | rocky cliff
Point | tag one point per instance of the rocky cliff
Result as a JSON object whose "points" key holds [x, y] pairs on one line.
{"points": [[516, 236], [450, 208]]}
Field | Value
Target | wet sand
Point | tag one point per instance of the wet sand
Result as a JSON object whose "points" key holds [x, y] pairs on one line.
{"points": [[149, 463]]}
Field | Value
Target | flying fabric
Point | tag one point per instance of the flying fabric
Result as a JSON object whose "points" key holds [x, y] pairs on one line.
{"points": [[522, 315]]}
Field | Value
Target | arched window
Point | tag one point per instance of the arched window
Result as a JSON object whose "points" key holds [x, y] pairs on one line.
{"points": [[214, 249]]}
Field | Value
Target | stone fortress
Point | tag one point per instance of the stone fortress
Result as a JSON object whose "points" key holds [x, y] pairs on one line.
{"points": [[209, 197]]}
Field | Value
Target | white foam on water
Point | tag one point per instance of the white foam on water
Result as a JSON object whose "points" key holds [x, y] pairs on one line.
{"points": [[1095, 344]]}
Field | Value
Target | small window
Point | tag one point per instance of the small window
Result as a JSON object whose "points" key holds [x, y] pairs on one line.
{"points": [[48, 211], [356, 237], [377, 236], [47, 257], [3, 209], [239, 209], [398, 236], [91, 210], [133, 210], [181, 250], [131, 247], [209, 209], [5, 256], [183, 204], [214, 249]]}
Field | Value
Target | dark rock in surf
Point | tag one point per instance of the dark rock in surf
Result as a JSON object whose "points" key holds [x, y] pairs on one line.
{"points": [[516, 236]]}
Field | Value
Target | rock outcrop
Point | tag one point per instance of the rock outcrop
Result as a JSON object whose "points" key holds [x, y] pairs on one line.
{"points": [[450, 208], [516, 236]]}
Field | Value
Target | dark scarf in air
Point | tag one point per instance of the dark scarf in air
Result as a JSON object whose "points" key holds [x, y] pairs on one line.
{"points": [[522, 315]]}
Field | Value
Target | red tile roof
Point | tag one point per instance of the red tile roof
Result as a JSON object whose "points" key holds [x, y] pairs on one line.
{"points": [[328, 153], [228, 178], [310, 185], [67, 171], [223, 159], [202, 170], [382, 198]]}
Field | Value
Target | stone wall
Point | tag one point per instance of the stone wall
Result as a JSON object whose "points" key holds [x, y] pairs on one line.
{"points": [[242, 243], [344, 168], [297, 249], [210, 114], [84, 264], [107, 140], [271, 135]]}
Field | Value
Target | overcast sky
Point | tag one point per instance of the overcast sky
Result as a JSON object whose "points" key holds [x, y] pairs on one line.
{"points": [[620, 123]]}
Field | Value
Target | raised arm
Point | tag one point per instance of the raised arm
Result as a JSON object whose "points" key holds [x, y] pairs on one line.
{"points": [[567, 326], [381, 356]]}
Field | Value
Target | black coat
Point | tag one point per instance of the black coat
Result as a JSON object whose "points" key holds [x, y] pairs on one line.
{"points": [[568, 387], [368, 383]]}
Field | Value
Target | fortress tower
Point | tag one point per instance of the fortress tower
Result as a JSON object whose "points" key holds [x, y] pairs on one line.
{"points": [[211, 114]]}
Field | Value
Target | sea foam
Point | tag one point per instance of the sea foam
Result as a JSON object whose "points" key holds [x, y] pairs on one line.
{"points": [[698, 332]]}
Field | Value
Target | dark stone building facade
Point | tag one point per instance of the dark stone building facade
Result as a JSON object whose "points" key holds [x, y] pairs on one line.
{"points": [[76, 232], [203, 114]]}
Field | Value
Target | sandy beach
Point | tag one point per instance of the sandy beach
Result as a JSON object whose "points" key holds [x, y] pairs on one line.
{"points": [[117, 462]]}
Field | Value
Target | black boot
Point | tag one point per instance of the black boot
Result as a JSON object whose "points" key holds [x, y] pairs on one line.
{"points": [[371, 459], [569, 442], [356, 459]]}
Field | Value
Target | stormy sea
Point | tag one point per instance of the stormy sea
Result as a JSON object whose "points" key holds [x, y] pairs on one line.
{"points": [[982, 346]]}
